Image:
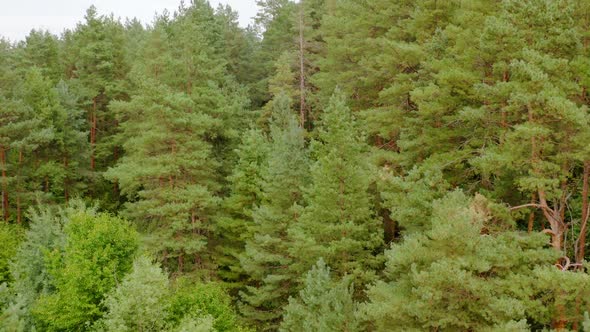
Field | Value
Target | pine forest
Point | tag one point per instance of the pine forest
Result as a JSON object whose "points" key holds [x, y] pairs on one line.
{"points": [[338, 165]]}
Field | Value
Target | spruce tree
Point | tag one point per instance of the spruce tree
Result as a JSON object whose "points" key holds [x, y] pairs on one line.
{"points": [[267, 259], [232, 228], [339, 222]]}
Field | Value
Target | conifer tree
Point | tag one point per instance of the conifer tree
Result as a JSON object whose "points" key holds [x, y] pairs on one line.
{"points": [[232, 228], [339, 223], [31, 267], [276, 19], [41, 49], [461, 274], [266, 258], [168, 172], [97, 69], [541, 145], [47, 160], [190, 104]]}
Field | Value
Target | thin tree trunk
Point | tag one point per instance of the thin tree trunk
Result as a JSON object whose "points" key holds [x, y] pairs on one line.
{"points": [[302, 105], [505, 78], [93, 134], [584, 228], [66, 191], [5, 208], [531, 215], [115, 182], [18, 198]]}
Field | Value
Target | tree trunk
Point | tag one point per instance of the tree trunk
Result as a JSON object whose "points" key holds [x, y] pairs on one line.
{"points": [[5, 208], [531, 216], [66, 191], [301, 70], [93, 122], [581, 250], [18, 198]]}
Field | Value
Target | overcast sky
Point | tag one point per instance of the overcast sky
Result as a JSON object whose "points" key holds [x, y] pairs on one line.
{"points": [[18, 17]]}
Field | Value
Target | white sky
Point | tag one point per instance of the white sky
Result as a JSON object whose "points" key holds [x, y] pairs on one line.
{"points": [[18, 17]]}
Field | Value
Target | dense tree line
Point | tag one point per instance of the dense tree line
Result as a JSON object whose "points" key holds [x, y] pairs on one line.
{"points": [[340, 165]]}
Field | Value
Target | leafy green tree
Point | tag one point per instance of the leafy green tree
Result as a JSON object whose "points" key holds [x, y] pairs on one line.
{"points": [[266, 258], [99, 250], [196, 304], [139, 303], [322, 305], [190, 324], [339, 223], [10, 239]]}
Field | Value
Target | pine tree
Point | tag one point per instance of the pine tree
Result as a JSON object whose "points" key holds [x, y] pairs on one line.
{"points": [[193, 110], [168, 172], [97, 71], [41, 49], [541, 145], [24, 133], [339, 223], [461, 274], [322, 305], [276, 19], [47, 160], [266, 258]]}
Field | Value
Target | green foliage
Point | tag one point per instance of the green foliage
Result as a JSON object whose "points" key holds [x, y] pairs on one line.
{"points": [[99, 250], [456, 277], [10, 238], [30, 268], [472, 127], [338, 222], [232, 229], [190, 324], [139, 303], [178, 131], [41, 49], [199, 304], [266, 258], [322, 305], [160, 167]]}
